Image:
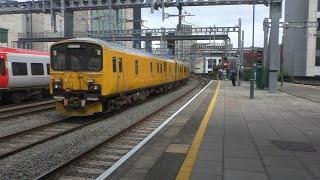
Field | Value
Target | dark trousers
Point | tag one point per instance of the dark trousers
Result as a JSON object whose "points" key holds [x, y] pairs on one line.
{"points": [[233, 81]]}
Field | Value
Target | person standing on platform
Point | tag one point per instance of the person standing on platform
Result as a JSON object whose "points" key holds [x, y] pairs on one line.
{"points": [[233, 76]]}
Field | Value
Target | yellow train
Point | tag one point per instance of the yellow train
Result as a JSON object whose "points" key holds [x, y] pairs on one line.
{"points": [[90, 75]]}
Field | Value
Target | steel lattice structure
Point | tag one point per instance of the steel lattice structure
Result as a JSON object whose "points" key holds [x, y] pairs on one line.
{"points": [[48, 6]]}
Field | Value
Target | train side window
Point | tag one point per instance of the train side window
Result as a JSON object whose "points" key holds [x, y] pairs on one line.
{"points": [[19, 69], [2, 67], [120, 64], [158, 68], [165, 67], [136, 65], [114, 64], [48, 69], [37, 69], [151, 67], [161, 68]]}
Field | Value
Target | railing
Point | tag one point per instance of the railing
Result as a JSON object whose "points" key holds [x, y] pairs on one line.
{"points": [[210, 31]]}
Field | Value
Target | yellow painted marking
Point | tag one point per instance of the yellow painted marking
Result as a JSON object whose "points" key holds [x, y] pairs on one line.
{"points": [[187, 166]]}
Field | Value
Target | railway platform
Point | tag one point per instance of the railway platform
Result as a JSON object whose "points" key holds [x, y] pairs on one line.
{"points": [[231, 137]]}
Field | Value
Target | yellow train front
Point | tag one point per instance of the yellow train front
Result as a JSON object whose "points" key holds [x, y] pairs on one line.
{"points": [[90, 75]]}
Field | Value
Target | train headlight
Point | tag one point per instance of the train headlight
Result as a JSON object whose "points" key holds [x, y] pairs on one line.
{"points": [[94, 87], [57, 86]]}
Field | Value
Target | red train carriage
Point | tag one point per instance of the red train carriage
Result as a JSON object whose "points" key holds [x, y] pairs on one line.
{"points": [[23, 74]]}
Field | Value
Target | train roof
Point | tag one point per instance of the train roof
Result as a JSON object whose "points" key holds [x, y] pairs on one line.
{"points": [[22, 51], [116, 47]]}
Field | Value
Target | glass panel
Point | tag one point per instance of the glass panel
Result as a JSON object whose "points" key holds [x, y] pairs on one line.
{"points": [[2, 67], [37, 69], [76, 57], [19, 69]]}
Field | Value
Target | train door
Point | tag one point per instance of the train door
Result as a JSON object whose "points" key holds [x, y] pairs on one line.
{"points": [[120, 75], [165, 69], [3, 73]]}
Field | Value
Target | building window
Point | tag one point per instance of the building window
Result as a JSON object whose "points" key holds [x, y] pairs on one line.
{"points": [[136, 65], [318, 5], [19, 69], [318, 20], [317, 61], [37, 69]]}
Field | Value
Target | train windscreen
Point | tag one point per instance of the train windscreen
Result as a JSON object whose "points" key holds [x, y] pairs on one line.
{"points": [[2, 67], [76, 57]]}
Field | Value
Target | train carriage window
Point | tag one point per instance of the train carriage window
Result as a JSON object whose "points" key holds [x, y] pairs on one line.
{"points": [[2, 67], [136, 65], [158, 68], [19, 69], [161, 68], [114, 64], [48, 69], [165, 67], [37, 69], [151, 67], [120, 64]]}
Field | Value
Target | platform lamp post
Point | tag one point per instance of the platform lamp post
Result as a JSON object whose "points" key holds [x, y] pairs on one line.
{"points": [[252, 79]]}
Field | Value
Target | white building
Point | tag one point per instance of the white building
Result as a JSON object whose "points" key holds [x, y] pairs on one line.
{"points": [[301, 46], [41, 23]]}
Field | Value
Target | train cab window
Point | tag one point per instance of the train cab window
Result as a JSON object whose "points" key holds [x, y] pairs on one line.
{"points": [[19, 69], [2, 67], [136, 67], [76, 57], [114, 64], [37, 69], [151, 67], [48, 69], [120, 64]]}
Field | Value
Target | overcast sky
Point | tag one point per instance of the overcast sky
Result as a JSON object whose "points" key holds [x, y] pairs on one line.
{"points": [[214, 15]]}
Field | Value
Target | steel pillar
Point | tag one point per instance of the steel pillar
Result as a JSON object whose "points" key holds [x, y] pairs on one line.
{"points": [[137, 26], [68, 23], [266, 37], [275, 15], [148, 43], [239, 52], [180, 17]]}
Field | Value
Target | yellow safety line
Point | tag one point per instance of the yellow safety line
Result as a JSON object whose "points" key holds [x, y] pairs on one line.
{"points": [[187, 166]]}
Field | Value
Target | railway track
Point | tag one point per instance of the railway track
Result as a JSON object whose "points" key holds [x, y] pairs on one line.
{"points": [[20, 141], [96, 160], [17, 142], [13, 111]]}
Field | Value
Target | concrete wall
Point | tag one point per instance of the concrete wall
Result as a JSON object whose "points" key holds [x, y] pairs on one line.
{"points": [[299, 49], [6, 21], [295, 39]]}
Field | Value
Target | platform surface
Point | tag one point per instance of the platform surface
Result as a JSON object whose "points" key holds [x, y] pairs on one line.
{"points": [[274, 136], [271, 137], [305, 91]]}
